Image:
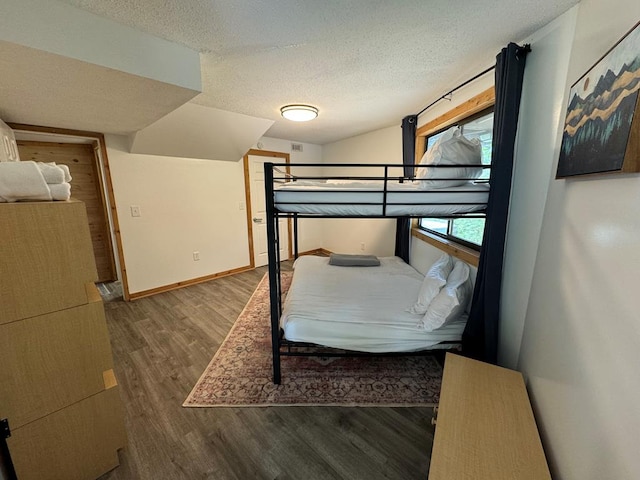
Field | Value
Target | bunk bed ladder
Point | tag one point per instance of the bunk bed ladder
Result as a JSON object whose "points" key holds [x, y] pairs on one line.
{"points": [[273, 251], [295, 236], [384, 190]]}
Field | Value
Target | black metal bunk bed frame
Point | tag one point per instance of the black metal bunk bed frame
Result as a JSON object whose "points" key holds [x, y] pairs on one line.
{"points": [[280, 345]]}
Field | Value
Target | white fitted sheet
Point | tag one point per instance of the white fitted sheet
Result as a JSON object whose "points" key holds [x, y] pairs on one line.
{"points": [[359, 308], [347, 197]]}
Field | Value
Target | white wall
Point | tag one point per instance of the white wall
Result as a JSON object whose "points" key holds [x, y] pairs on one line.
{"points": [[346, 235], [187, 205], [580, 347], [460, 96], [542, 105]]}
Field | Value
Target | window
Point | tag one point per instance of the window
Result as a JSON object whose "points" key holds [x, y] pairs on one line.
{"points": [[467, 231]]}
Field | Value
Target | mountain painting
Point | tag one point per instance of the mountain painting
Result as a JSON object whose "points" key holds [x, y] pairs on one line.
{"points": [[601, 111]]}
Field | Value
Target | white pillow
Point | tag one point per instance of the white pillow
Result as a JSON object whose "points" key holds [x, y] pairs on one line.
{"points": [[433, 281], [450, 303], [452, 148]]}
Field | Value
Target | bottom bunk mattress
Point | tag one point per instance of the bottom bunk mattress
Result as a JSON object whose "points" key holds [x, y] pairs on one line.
{"points": [[360, 308]]}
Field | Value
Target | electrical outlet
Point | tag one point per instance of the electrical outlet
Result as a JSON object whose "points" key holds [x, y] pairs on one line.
{"points": [[362, 247], [241, 205], [196, 256], [135, 211]]}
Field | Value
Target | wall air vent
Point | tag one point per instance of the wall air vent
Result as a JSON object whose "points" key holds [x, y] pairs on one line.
{"points": [[296, 147]]}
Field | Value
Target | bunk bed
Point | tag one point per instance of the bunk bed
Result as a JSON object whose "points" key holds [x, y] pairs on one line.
{"points": [[387, 193]]}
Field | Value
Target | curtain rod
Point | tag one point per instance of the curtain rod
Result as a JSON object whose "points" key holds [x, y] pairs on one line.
{"points": [[526, 48], [457, 88]]}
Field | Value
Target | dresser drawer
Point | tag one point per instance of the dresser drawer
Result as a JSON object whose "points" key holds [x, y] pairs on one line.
{"points": [[79, 442], [51, 361], [46, 258]]}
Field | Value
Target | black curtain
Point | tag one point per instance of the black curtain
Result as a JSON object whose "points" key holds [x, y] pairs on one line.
{"points": [[480, 338], [403, 225]]}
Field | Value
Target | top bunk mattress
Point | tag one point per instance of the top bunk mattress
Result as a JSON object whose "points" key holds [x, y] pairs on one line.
{"points": [[359, 308], [362, 198]]}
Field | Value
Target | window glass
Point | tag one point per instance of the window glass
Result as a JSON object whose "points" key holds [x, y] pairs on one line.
{"points": [[439, 225], [468, 229], [482, 129], [432, 139], [465, 230]]}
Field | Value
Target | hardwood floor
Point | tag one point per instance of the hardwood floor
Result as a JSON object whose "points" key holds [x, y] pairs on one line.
{"points": [[161, 346]]}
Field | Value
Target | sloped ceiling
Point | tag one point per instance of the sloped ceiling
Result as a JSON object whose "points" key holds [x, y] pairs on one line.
{"points": [[195, 131], [42, 88], [364, 63], [65, 67]]}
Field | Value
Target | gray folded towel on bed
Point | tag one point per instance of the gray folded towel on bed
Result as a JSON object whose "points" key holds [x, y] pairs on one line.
{"points": [[344, 260]]}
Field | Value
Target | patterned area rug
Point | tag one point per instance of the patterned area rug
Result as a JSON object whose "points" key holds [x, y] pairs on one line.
{"points": [[240, 373]]}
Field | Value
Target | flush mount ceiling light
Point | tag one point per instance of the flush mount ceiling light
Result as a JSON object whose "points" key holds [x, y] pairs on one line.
{"points": [[299, 113]]}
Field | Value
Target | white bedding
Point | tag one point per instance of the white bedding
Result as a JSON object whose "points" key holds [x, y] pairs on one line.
{"points": [[340, 197], [359, 308]]}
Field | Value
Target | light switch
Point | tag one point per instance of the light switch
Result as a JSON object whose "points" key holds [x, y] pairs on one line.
{"points": [[135, 211]]}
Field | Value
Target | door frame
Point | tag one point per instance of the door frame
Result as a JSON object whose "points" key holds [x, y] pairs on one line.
{"points": [[91, 150], [106, 188], [247, 191]]}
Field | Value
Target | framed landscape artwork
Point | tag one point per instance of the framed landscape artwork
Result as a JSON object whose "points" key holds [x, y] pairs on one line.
{"points": [[602, 127]]}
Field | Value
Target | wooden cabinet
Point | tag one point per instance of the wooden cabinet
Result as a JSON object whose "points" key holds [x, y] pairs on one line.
{"points": [[45, 259], [485, 429], [57, 387]]}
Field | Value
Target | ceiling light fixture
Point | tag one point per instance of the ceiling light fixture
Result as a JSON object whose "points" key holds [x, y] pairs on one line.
{"points": [[299, 113]]}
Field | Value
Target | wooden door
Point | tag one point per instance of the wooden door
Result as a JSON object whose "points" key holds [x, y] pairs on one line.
{"points": [[86, 186]]}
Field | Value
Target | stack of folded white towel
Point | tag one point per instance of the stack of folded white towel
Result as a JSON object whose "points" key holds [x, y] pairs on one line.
{"points": [[31, 181]]}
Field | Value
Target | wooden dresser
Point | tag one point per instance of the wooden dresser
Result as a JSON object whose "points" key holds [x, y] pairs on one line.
{"points": [[485, 429], [57, 387]]}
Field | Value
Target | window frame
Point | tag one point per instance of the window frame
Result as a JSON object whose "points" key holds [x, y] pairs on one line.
{"points": [[475, 107]]}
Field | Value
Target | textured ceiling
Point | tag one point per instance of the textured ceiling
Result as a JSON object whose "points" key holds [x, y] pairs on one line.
{"points": [[41, 88], [364, 63]]}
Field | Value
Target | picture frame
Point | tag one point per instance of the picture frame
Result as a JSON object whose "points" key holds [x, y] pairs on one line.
{"points": [[602, 125]]}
